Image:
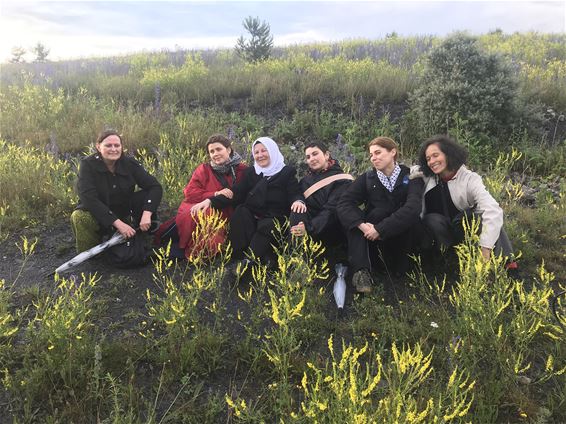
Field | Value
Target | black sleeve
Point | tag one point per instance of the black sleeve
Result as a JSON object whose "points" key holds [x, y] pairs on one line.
{"points": [[240, 190], [404, 217], [147, 182], [348, 210], [328, 215], [294, 191]]}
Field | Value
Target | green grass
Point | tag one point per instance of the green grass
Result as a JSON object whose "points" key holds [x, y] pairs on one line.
{"points": [[473, 346], [479, 348]]}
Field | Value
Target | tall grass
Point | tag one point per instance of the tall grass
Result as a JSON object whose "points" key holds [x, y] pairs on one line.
{"points": [[35, 187]]}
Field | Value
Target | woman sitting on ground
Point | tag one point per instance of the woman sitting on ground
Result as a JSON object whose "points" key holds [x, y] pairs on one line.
{"points": [[322, 188], [263, 198], [392, 197], [108, 201], [454, 193], [208, 180]]}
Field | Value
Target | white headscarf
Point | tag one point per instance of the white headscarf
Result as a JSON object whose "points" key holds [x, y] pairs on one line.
{"points": [[276, 160]]}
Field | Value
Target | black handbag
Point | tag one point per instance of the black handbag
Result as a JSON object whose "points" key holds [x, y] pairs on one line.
{"points": [[130, 254]]}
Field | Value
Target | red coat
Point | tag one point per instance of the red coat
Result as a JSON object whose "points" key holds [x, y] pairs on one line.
{"points": [[202, 185]]}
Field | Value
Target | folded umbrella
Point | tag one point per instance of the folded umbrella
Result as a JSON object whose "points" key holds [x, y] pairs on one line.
{"points": [[117, 238], [340, 285]]}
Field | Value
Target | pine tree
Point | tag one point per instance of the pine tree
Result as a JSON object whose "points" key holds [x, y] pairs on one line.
{"points": [[18, 53], [41, 52], [258, 48]]}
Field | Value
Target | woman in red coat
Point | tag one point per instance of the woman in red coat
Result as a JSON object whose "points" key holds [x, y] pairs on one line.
{"points": [[209, 180]]}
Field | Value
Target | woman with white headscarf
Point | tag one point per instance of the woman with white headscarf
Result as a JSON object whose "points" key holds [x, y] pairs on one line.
{"points": [[266, 195]]}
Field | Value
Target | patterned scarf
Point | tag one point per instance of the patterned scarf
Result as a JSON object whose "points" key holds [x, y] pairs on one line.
{"points": [[389, 182], [228, 167]]}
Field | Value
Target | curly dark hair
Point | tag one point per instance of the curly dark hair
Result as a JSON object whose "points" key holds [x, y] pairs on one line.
{"points": [[456, 154]]}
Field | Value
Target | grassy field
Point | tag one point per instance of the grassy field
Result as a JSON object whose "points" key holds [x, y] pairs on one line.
{"points": [[182, 343]]}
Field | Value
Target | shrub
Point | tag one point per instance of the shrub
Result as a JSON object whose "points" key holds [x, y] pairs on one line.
{"points": [[462, 81]]}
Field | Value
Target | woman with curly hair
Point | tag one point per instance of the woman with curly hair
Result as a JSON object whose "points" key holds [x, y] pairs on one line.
{"points": [[453, 193]]}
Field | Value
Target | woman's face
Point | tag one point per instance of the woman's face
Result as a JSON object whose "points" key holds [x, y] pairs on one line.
{"points": [[110, 148], [381, 158], [436, 159], [261, 155], [219, 154], [316, 159]]}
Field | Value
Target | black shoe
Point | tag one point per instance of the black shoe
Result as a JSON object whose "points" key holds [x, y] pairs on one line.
{"points": [[238, 269]]}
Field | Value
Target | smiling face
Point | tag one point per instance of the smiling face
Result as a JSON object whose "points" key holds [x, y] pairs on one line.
{"points": [[436, 160], [261, 155], [219, 154], [316, 159], [382, 159], [110, 148]]}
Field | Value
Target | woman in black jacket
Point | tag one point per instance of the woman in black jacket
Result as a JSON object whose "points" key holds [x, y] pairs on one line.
{"points": [[322, 188], [393, 201], [266, 194], [108, 201]]}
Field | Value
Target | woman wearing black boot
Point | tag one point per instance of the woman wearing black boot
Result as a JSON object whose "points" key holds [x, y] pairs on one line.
{"points": [[392, 197]]}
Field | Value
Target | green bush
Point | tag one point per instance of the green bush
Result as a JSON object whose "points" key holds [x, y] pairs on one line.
{"points": [[461, 81]]}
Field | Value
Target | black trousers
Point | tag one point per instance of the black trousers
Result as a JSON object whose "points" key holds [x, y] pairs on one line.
{"points": [[130, 214], [334, 235], [252, 234], [393, 252], [450, 232]]}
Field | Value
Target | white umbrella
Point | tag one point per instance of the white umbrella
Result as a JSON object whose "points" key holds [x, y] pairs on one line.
{"points": [[117, 238], [340, 285]]}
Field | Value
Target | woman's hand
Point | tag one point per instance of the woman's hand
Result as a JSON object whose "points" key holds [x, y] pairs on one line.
{"points": [[145, 221], [299, 229], [124, 228], [298, 207], [369, 231], [226, 192], [200, 207]]}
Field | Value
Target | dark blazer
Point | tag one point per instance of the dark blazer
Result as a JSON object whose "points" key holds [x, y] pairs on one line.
{"points": [[394, 212], [265, 197], [321, 205], [107, 196]]}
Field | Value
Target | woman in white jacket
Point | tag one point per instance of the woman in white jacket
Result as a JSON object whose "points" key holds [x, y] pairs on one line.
{"points": [[454, 193]]}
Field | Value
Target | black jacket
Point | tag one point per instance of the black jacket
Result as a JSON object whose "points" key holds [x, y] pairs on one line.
{"points": [[394, 211], [107, 196], [321, 205], [265, 197]]}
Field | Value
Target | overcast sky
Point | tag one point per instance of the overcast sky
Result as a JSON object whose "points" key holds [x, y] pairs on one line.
{"points": [[74, 29]]}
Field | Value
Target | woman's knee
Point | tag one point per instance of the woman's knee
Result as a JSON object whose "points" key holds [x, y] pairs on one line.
{"points": [[86, 230]]}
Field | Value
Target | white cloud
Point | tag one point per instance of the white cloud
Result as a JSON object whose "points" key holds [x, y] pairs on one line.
{"points": [[84, 28]]}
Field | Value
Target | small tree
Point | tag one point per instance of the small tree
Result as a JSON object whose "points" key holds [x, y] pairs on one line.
{"points": [[467, 88], [18, 53], [41, 52], [258, 48]]}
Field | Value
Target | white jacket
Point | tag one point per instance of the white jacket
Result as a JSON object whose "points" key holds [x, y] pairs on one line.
{"points": [[468, 192]]}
